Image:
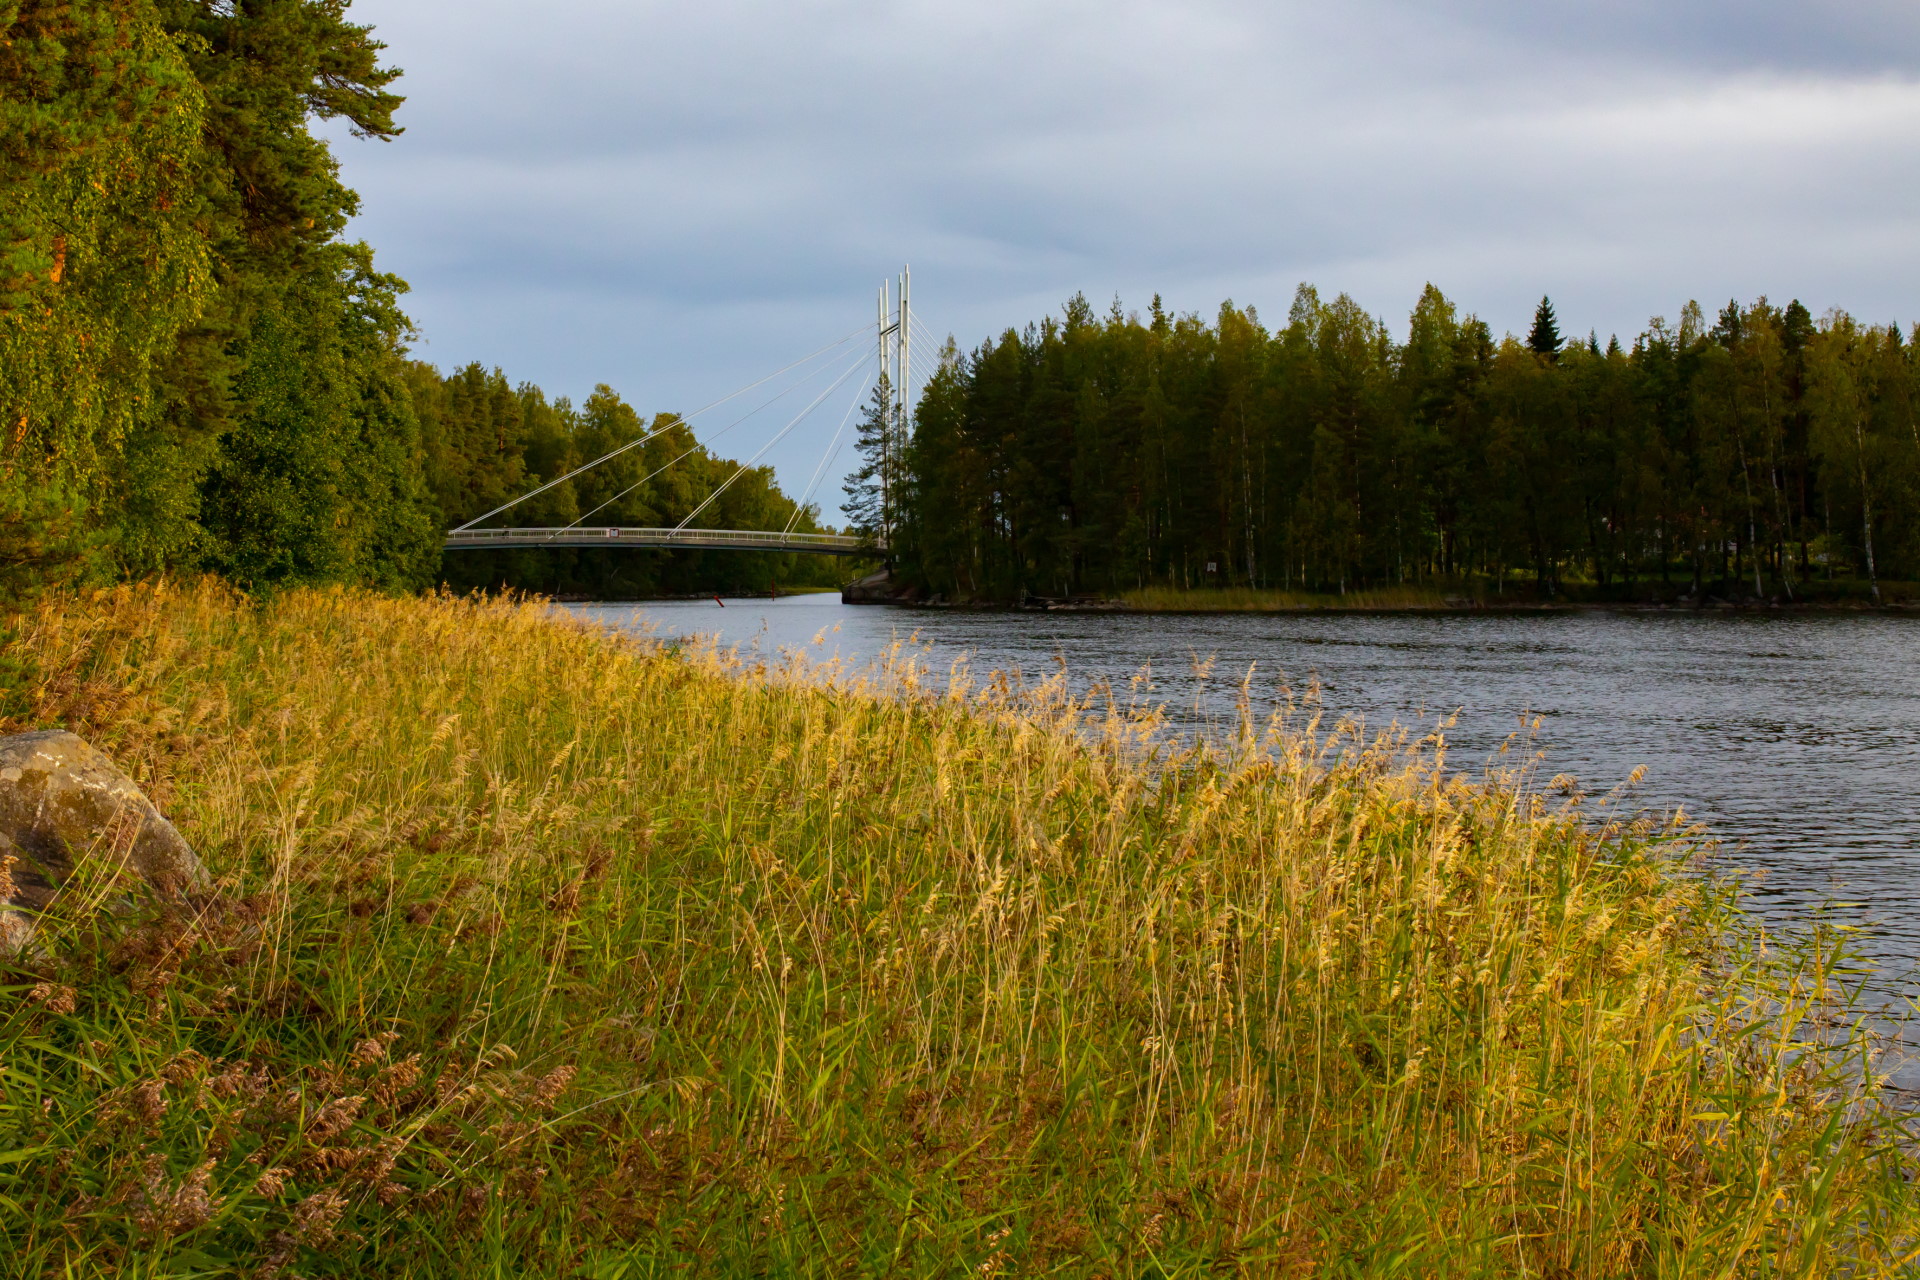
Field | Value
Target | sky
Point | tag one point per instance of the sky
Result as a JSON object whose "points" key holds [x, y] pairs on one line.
{"points": [[676, 199]]}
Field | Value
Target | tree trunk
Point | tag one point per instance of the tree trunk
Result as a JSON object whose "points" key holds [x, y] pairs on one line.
{"points": [[1753, 532], [1866, 505]]}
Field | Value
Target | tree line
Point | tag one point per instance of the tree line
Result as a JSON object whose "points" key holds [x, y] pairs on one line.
{"points": [[199, 372], [1764, 453]]}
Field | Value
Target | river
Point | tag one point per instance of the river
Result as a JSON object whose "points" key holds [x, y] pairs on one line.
{"points": [[1794, 737]]}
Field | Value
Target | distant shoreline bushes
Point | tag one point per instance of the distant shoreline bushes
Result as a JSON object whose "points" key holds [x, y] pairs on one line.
{"points": [[1479, 594]]}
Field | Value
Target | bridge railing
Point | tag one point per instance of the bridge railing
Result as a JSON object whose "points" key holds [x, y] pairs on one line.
{"points": [[839, 544]]}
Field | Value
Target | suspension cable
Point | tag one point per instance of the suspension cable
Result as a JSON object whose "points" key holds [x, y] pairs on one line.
{"points": [[697, 445], [833, 451], [743, 467], [651, 434], [925, 334]]}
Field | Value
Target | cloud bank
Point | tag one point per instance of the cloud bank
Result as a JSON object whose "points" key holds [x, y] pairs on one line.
{"points": [[674, 199]]}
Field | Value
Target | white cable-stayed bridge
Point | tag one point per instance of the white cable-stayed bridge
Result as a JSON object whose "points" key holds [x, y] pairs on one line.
{"points": [[836, 365], [630, 538]]}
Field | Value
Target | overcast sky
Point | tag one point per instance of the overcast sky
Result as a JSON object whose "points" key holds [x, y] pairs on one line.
{"points": [[677, 198]]}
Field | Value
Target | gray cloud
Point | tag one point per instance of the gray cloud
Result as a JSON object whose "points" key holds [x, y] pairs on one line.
{"points": [[673, 198], [1852, 36]]}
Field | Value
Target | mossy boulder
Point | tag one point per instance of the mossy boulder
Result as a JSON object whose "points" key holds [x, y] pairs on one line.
{"points": [[64, 807]]}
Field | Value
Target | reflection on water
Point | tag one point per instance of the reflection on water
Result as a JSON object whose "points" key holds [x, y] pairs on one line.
{"points": [[1795, 737]]}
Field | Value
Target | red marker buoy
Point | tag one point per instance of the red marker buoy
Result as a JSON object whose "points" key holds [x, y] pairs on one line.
{"points": [[722, 603]]}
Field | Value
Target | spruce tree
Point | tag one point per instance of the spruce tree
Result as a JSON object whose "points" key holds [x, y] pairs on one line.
{"points": [[1545, 335], [867, 487]]}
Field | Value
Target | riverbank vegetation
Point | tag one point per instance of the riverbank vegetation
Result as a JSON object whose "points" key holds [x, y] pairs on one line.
{"points": [[1514, 593], [1762, 453], [542, 952], [1255, 600], [197, 370]]}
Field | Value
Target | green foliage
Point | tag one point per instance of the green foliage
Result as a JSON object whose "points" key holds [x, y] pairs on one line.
{"points": [[267, 67], [187, 354], [1860, 405], [869, 488], [317, 477], [102, 264], [47, 537], [283, 408], [1112, 455]]}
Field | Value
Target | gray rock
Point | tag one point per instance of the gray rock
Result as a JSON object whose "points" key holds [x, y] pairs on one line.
{"points": [[62, 804], [878, 587]]}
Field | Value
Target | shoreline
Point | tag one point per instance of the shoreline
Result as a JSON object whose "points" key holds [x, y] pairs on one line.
{"points": [[1901, 601], [1895, 609], [1901, 609], [1847, 596]]}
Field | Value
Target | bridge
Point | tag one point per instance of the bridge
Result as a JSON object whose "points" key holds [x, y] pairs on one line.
{"points": [[894, 329], [676, 539]]}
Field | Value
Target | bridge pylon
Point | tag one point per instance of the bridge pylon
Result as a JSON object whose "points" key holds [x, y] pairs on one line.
{"points": [[896, 374]]}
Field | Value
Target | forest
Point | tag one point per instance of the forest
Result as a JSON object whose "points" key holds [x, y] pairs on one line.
{"points": [[200, 373], [1760, 454]]}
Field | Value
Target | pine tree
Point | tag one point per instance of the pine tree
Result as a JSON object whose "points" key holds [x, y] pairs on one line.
{"points": [[1544, 338], [867, 488]]}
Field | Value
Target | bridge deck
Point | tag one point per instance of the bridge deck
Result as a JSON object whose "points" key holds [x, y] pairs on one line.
{"points": [[820, 544]]}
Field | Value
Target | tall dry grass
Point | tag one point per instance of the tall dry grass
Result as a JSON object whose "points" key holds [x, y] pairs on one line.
{"points": [[542, 953]]}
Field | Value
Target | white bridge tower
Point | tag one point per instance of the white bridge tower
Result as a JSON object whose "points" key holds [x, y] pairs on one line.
{"points": [[896, 373]]}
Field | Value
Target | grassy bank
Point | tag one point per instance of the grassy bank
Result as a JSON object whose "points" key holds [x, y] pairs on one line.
{"points": [[543, 954]]}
